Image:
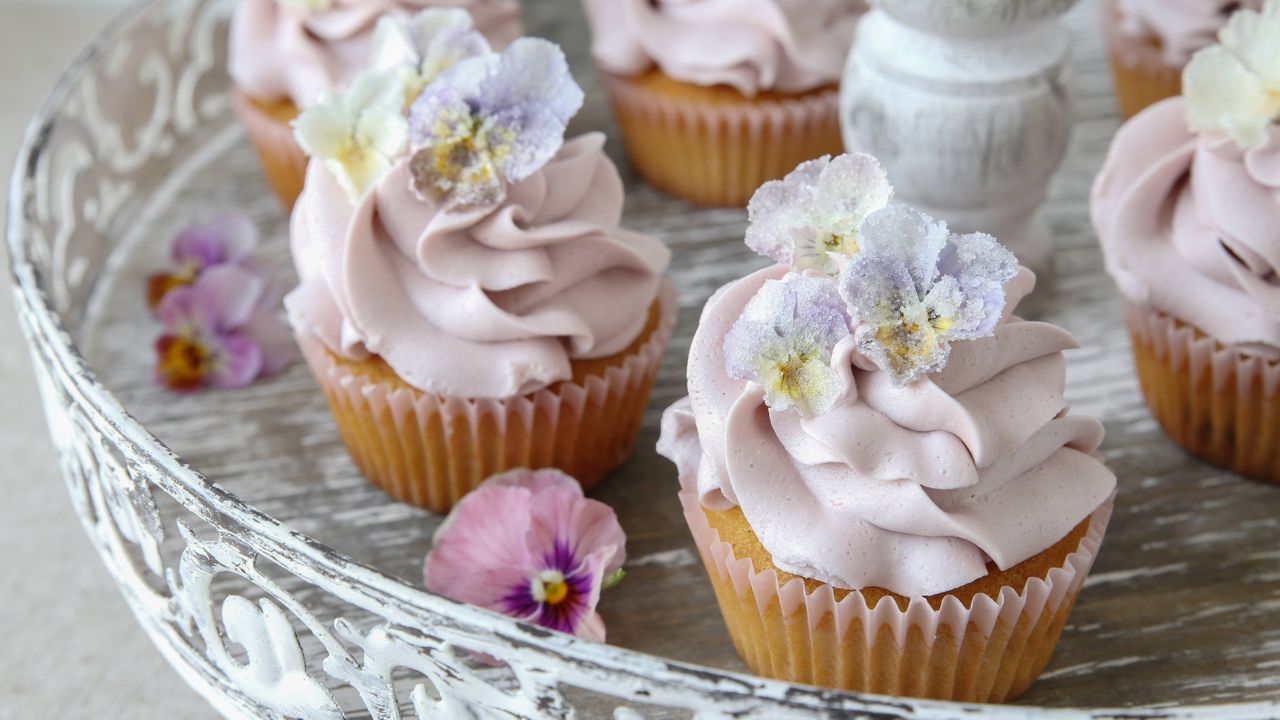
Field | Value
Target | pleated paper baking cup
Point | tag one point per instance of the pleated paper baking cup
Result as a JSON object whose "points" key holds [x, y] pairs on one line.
{"points": [[271, 132], [429, 450], [990, 651], [1217, 402], [1141, 74], [718, 153]]}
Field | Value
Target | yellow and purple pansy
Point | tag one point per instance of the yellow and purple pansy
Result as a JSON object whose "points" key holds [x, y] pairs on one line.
{"points": [[526, 543]]}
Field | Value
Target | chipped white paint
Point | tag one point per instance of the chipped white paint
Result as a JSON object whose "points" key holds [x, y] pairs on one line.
{"points": [[268, 622]]}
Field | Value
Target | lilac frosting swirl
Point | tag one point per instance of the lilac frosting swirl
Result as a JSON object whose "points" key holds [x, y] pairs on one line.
{"points": [[488, 302], [1189, 223], [279, 53], [789, 46], [1181, 26], [912, 489]]}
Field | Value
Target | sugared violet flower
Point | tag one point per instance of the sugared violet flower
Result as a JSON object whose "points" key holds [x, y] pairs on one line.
{"points": [[1234, 87], [812, 218], [358, 133], [783, 343], [916, 287], [418, 49], [490, 121]]}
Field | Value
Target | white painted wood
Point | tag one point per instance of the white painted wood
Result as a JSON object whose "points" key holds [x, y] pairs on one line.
{"points": [[966, 104]]}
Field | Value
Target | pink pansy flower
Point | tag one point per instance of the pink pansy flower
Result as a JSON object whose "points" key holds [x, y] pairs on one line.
{"points": [[223, 330], [528, 544], [225, 238]]}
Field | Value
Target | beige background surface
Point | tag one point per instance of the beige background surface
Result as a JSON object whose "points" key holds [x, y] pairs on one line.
{"points": [[71, 647]]}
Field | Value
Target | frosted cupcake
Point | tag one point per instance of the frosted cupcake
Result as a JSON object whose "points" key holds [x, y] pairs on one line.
{"points": [[285, 53], [1187, 208], [716, 98], [1151, 41], [469, 302], [875, 458]]}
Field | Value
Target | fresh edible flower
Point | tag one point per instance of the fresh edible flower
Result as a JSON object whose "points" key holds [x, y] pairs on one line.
{"points": [[916, 287], [490, 121], [526, 543], [225, 238], [420, 48], [221, 331], [358, 133], [1233, 88], [812, 218], [783, 343]]}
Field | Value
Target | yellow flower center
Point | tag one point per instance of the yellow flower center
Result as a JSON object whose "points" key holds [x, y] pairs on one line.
{"points": [[183, 362], [840, 244], [550, 587]]}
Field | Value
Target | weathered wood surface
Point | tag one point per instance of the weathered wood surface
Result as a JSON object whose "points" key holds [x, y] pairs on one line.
{"points": [[1180, 608]]}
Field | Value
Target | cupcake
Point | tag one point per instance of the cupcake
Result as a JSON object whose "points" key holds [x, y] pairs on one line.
{"points": [[1150, 41], [285, 53], [1187, 208], [716, 98], [876, 460], [468, 300]]}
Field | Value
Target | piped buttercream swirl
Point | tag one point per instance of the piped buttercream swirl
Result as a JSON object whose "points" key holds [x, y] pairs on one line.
{"points": [[911, 489], [279, 53], [487, 302], [1188, 225], [788, 46]]}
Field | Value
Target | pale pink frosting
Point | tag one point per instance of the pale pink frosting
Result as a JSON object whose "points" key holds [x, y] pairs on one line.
{"points": [[909, 489], [277, 53], [1190, 226], [482, 303], [1181, 26], [753, 45]]}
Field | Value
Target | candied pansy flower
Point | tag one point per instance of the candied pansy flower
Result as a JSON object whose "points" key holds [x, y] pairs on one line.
{"points": [[490, 121], [222, 331], [226, 237], [358, 133], [1234, 87], [916, 287], [783, 343], [812, 218], [418, 49], [528, 544]]}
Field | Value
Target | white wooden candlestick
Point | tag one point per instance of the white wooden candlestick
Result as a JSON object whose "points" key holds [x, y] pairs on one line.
{"points": [[966, 104]]}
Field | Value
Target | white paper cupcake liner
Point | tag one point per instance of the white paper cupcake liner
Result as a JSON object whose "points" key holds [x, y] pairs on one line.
{"points": [[1218, 402], [990, 651], [429, 450]]}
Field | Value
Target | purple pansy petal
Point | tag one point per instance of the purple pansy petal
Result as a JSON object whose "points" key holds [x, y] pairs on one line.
{"points": [[230, 294], [531, 73], [225, 237], [183, 312], [273, 337], [773, 225], [237, 360], [856, 183]]}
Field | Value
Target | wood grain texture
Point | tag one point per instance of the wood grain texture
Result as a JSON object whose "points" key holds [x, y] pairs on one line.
{"points": [[1179, 610]]}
